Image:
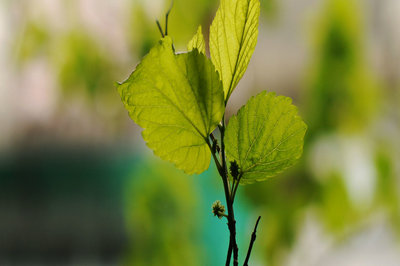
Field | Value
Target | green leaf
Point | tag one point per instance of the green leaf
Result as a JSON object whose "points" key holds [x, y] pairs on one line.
{"points": [[265, 137], [197, 42], [178, 100], [233, 37]]}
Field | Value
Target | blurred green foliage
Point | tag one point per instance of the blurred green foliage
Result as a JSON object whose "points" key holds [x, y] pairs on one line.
{"points": [[335, 207], [33, 42], [387, 192], [182, 24], [342, 96], [269, 10], [83, 65], [343, 93], [282, 201], [161, 218]]}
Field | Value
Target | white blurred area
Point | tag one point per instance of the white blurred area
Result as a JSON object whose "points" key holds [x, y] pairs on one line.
{"points": [[371, 245], [352, 157], [30, 96]]}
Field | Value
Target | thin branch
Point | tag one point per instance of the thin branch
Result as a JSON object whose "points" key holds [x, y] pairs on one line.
{"points": [[159, 28], [217, 163], [236, 187], [253, 238], [232, 189], [166, 18]]}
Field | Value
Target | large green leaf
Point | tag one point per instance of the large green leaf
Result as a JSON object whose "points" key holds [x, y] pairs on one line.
{"points": [[197, 42], [265, 137], [178, 100], [233, 37]]}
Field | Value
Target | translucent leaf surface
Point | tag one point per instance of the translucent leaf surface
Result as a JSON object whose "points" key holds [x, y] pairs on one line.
{"points": [[178, 100], [233, 37], [265, 137], [197, 42]]}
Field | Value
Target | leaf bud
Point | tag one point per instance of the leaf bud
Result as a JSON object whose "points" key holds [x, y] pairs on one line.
{"points": [[218, 209], [234, 169]]}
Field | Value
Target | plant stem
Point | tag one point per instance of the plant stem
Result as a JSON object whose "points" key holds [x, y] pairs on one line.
{"points": [[230, 191], [229, 202]]}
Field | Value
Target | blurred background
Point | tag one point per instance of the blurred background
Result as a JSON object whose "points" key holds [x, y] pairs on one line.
{"points": [[79, 187]]}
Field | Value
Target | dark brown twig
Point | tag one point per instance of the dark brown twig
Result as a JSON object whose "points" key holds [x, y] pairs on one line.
{"points": [[159, 28], [233, 195], [166, 18], [253, 238]]}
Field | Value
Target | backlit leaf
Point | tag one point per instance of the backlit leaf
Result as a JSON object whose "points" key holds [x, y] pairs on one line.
{"points": [[265, 137], [233, 37], [197, 42], [178, 101]]}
